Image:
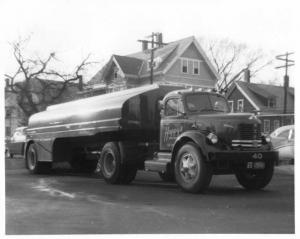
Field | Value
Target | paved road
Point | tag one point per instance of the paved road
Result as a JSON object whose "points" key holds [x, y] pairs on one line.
{"points": [[66, 203]]}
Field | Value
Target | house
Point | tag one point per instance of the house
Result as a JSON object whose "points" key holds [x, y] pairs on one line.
{"points": [[267, 100], [182, 63], [14, 116]]}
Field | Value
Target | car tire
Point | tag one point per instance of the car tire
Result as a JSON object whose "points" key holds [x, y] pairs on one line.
{"points": [[192, 173], [255, 180], [32, 161]]}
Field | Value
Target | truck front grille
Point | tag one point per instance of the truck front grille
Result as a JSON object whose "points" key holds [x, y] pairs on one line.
{"points": [[249, 131], [249, 136]]}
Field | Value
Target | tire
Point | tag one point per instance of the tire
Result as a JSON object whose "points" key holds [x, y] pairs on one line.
{"points": [[255, 180], [112, 169], [167, 176], [192, 173], [32, 161]]}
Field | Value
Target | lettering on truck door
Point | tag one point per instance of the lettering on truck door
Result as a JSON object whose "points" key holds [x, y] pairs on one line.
{"points": [[172, 123]]}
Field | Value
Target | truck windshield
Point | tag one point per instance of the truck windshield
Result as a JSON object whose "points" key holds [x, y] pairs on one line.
{"points": [[206, 103]]}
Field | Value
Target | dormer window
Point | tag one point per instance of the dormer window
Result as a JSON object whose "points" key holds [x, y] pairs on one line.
{"points": [[184, 66], [240, 105], [196, 67], [271, 103], [115, 73]]}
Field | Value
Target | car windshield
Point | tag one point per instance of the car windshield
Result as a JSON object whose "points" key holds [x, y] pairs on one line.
{"points": [[206, 103]]}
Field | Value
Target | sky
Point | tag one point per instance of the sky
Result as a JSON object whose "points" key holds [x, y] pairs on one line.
{"points": [[73, 29]]}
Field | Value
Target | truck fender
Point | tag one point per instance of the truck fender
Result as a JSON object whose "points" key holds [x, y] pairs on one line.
{"points": [[44, 149], [193, 136]]}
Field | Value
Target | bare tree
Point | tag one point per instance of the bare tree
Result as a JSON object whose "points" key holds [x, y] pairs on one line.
{"points": [[231, 60], [36, 83]]}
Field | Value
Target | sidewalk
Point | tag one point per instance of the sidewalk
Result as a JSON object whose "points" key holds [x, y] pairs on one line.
{"points": [[285, 169]]}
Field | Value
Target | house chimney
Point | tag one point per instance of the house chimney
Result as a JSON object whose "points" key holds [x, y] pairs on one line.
{"points": [[144, 45], [159, 39], [80, 83], [247, 75]]}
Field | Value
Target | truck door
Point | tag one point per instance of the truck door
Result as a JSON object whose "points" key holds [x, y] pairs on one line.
{"points": [[172, 123]]}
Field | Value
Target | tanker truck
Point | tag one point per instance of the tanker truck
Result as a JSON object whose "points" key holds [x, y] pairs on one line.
{"points": [[185, 135]]}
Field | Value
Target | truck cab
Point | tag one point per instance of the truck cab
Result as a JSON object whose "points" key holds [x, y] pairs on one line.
{"points": [[199, 137]]}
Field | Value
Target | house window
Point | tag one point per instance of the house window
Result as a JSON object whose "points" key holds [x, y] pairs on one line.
{"points": [[184, 66], [115, 73], [196, 67], [276, 124], [266, 126], [271, 103], [231, 105], [240, 105]]}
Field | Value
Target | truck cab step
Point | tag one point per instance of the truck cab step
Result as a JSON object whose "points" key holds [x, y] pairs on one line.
{"points": [[159, 164]]}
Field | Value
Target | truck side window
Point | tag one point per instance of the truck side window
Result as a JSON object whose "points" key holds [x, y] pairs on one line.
{"points": [[173, 107]]}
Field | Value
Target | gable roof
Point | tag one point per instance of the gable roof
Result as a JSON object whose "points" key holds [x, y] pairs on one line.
{"points": [[135, 64], [255, 92], [129, 65]]}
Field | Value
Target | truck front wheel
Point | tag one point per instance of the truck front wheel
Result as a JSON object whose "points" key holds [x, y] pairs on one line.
{"points": [[192, 173], [112, 169], [258, 179]]}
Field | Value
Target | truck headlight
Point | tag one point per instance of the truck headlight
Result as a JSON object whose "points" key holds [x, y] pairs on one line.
{"points": [[266, 139], [212, 138]]}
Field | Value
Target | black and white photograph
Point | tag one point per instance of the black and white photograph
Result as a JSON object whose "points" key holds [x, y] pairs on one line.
{"points": [[148, 118]]}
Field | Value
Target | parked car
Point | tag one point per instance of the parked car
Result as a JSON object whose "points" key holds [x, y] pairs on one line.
{"points": [[17, 142], [283, 141]]}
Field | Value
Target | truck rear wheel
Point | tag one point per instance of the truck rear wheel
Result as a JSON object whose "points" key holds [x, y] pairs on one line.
{"points": [[258, 179], [32, 161], [192, 173], [112, 169]]}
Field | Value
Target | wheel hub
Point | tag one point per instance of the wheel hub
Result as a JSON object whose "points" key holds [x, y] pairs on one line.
{"points": [[188, 167], [109, 164]]}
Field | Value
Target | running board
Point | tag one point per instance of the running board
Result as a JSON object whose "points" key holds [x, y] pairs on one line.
{"points": [[159, 164]]}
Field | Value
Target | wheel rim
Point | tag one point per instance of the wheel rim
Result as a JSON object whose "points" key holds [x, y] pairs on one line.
{"points": [[109, 164], [31, 159], [188, 167]]}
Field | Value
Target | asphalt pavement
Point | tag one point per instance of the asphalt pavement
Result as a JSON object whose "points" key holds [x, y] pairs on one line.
{"points": [[71, 203]]}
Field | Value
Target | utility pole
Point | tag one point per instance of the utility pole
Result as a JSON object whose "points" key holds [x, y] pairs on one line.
{"points": [[158, 43], [152, 58], [288, 63]]}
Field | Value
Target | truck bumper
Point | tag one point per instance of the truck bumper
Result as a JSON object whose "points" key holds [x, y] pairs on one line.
{"points": [[243, 159]]}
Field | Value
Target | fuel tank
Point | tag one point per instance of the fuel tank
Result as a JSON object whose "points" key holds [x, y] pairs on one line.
{"points": [[133, 108]]}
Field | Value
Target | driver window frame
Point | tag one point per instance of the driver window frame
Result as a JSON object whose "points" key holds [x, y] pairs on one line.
{"points": [[179, 101]]}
